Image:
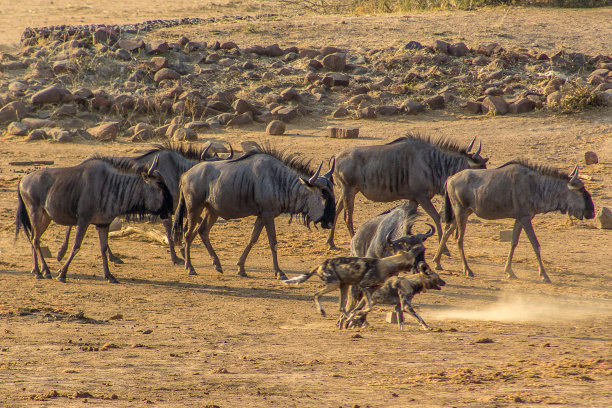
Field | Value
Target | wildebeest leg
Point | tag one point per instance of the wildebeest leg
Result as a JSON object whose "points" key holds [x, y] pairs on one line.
{"points": [[167, 223], [193, 217], [257, 227], [62, 250], [349, 204], [461, 220], [433, 213], [204, 232], [447, 233], [516, 233], [112, 257], [78, 240], [40, 222], [330, 237], [268, 221], [103, 236], [330, 287], [536, 247]]}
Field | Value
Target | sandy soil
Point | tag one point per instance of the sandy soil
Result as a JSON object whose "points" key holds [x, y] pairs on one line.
{"points": [[164, 338]]}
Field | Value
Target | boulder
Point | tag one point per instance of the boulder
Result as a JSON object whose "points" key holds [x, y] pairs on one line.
{"points": [[285, 114], [105, 36], [37, 134], [342, 133], [591, 158], [276, 127], [411, 106], [473, 107], [166, 73], [63, 111], [336, 79], [522, 105], [106, 131], [184, 134], [17, 129], [334, 62], [458, 49], [159, 48], [13, 111], [131, 44], [52, 94], [273, 50], [435, 102], [495, 104], [603, 220], [243, 119]]}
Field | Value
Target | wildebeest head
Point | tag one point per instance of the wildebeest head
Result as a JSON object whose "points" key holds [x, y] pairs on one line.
{"points": [[580, 204], [159, 199], [321, 204], [410, 244], [475, 160]]}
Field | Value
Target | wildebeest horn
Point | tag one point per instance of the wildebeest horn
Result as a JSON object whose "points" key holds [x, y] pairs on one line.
{"points": [[478, 151], [153, 165], [574, 175], [428, 233], [470, 145], [231, 153], [332, 165], [205, 152], [388, 238], [314, 178]]}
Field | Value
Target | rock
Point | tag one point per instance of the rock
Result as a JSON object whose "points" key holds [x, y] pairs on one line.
{"points": [[276, 127], [228, 45], [107, 131], [197, 125], [495, 104], [36, 123], [286, 114], [63, 111], [522, 105], [603, 220], [13, 111], [334, 62], [591, 158], [458, 49], [308, 53], [184, 134], [554, 98], [131, 44], [441, 46], [159, 48], [60, 135], [290, 94], [480, 60], [52, 94], [160, 131], [36, 134], [17, 87], [123, 55], [105, 36], [435, 102], [330, 50], [17, 129], [241, 106], [340, 113], [413, 45], [493, 91], [386, 110], [411, 106], [243, 119], [273, 50], [255, 49], [473, 107], [166, 73], [83, 93], [336, 79], [64, 67], [224, 118], [342, 133]]}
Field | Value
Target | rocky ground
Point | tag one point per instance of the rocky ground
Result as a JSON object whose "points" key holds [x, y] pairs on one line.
{"points": [[529, 83]]}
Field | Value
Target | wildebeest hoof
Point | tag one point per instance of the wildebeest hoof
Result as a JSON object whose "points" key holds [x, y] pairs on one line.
{"points": [[280, 275], [323, 313], [118, 261], [48, 275], [469, 274], [333, 247], [112, 279], [219, 269], [511, 275], [438, 267], [546, 279], [61, 279], [178, 261], [192, 272], [446, 252], [37, 275], [242, 273]]}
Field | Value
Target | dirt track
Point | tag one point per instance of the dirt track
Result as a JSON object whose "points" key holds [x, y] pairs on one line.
{"points": [[164, 338]]}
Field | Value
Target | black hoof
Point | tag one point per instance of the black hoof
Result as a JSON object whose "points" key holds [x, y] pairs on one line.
{"points": [[61, 279], [38, 276], [242, 273], [48, 276], [113, 280], [178, 261], [118, 261]]}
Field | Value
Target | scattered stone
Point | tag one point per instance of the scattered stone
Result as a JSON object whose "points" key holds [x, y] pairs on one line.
{"points": [[435, 102], [413, 45], [441, 46], [17, 129], [603, 220], [13, 111], [64, 67], [243, 119], [334, 62], [184, 134], [63, 111], [36, 134], [554, 98], [411, 106], [386, 110], [250, 145], [368, 112], [60, 135], [286, 114], [107, 131], [496, 105], [273, 50], [591, 158], [523, 105], [458, 49], [340, 113], [52, 94], [159, 48], [473, 107], [336, 79], [166, 73], [105, 36], [276, 127], [36, 123], [123, 55], [342, 133]]}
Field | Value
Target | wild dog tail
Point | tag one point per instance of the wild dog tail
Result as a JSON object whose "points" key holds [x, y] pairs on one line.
{"points": [[22, 218], [177, 225], [449, 214], [304, 277]]}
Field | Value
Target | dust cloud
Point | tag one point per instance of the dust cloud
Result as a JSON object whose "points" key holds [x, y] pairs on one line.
{"points": [[514, 307]]}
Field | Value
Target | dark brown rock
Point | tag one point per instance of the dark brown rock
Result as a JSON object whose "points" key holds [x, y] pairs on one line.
{"points": [[522, 105], [159, 48], [591, 158], [285, 114], [386, 110], [368, 112], [105, 36], [554, 98], [342, 133], [64, 111], [441, 46], [335, 62], [107, 131], [411, 106], [243, 119], [228, 45], [336, 79], [340, 113], [435, 102], [184, 134], [131, 44], [64, 67], [166, 73], [273, 50], [308, 53], [276, 127], [37, 134], [13, 111], [52, 94], [458, 49], [603, 220], [473, 107], [495, 105], [17, 129]]}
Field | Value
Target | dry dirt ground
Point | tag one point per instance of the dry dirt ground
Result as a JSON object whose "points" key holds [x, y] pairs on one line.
{"points": [[164, 338]]}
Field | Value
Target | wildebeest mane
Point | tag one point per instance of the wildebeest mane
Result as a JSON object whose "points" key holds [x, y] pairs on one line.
{"points": [[295, 161], [187, 150], [549, 171], [124, 164], [439, 142]]}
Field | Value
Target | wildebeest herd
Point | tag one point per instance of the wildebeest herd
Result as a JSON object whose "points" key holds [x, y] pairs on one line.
{"points": [[189, 189]]}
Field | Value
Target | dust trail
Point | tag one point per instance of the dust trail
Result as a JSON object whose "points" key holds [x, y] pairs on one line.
{"points": [[513, 307]]}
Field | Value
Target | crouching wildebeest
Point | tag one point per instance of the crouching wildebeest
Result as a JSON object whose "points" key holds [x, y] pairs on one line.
{"points": [[93, 192], [172, 161], [263, 183], [366, 273], [518, 190], [413, 167], [399, 291]]}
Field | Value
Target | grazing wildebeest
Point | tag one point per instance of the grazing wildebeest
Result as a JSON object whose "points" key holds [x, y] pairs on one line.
{"points": [[173, 160], [413, 167], [92, 192], [263, 183], [366, 273], [518, 190], [399, 291]]}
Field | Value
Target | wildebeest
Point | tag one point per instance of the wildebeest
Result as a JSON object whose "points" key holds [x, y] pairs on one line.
{"points": [[263, 183], [366, 273], [173, 160], [399, 291], [413, 167], [92, 192], [518, 190]]}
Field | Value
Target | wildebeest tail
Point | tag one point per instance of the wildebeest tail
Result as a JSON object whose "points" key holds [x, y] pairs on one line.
{"points": [[302, 278], [449, 214], [22, 218], [177, 226]]}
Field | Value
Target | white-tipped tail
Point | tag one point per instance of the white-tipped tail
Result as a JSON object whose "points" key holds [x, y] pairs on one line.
{"points": [[302, 278]]}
